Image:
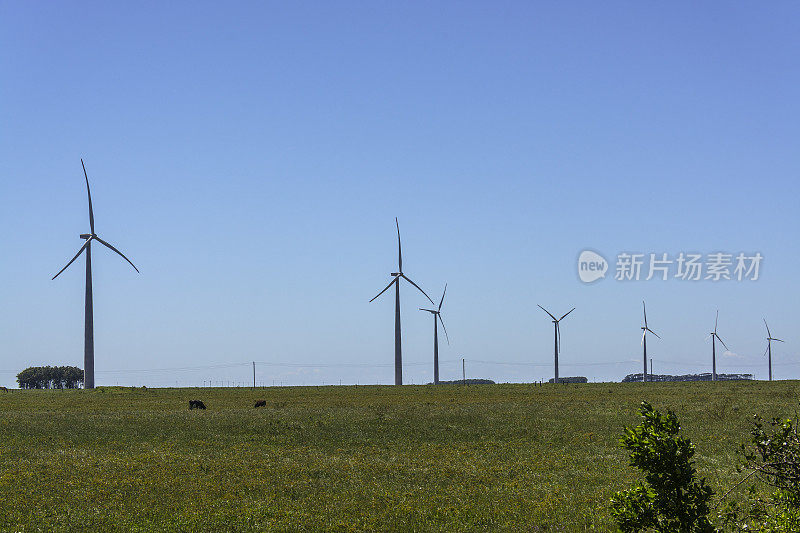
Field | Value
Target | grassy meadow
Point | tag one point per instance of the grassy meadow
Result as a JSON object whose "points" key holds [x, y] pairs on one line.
{"points": [[412, 458]]}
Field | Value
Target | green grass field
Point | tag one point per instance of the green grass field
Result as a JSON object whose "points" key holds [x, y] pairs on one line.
{"points": [[413, 458]]}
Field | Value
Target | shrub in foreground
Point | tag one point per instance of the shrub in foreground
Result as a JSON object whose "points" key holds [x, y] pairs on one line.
{"points": [[671, 499], [772, 456]]}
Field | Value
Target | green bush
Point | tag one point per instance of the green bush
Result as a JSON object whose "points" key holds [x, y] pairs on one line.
{"points": [[773, 457], [672, 499]]}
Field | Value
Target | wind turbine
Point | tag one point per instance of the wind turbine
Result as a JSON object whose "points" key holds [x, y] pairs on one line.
{"points": [[714, 338], [437, 313], [88, 339], [770, 338], [556, 335], [645, 329], [398, 350]]}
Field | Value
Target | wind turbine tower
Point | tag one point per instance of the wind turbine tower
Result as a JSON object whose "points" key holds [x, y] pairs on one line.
{"points": [[770, 338], [398, 350], [437, 313], [557, 336], [645, 329], [88, 332], [714, 338]]}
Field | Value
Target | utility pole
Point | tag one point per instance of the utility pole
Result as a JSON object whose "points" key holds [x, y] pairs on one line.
{"points": [[463, 372], [651, 369], [254, 374]]}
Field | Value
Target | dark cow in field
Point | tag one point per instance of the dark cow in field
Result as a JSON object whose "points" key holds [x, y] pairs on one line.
{"points": [[3, 389], [260, 403], [196, 404]]}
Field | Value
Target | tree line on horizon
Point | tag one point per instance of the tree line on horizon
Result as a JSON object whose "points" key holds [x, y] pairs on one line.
{"points": [[705, 376], [50, 377]]}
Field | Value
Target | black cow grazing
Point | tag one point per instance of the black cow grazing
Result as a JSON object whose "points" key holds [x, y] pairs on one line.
{"points": [[196, 404], [260, 403]]}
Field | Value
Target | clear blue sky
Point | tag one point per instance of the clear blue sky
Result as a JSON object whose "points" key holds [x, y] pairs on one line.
{"points": [[250, 158]]}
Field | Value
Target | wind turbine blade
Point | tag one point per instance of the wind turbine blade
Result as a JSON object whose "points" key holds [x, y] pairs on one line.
{"points": [[644, 308], [91, 211], [399, 249], [418, 287], [716, 321], [768, 333], [428, 310], [73, 259], [442, 300], [387, 287], [558, 330], [765, 350], [653, 332], [565, 316], [120, 253], [548, 312], [444, 328], [722, 341], [777, 340]]}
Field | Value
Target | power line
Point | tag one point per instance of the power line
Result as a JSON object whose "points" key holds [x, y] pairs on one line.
{"points": [[523, 363], [339, 365], [175, 369], [198, 368]]}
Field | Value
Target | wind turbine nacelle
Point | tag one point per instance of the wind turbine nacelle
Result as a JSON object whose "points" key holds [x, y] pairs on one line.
{"points": [[86, 236], [394, 274]]}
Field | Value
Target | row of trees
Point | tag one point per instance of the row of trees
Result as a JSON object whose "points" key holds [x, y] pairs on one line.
{"points": [[705, 376], [50, 377]]}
